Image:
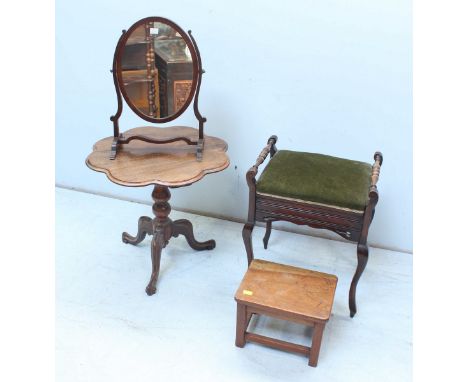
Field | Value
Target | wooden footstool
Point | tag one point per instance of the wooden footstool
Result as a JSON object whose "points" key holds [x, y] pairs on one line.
{"points": [[288, 293]]}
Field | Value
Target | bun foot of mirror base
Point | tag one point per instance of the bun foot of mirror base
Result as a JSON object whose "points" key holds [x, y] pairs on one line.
{"points": [[200, 145], [113, 152]]}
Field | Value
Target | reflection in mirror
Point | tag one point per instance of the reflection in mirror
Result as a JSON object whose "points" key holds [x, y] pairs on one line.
{"points": [[156, 70]]}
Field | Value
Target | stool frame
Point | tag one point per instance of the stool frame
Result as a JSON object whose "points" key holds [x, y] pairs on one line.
{"points": [[349, 224]]}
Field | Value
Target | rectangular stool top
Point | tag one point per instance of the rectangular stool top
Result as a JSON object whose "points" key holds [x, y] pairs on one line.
{"points": [[288, 289]]}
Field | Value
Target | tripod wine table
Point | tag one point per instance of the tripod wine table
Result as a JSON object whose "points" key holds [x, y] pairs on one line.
{"points": [[165, 166]]}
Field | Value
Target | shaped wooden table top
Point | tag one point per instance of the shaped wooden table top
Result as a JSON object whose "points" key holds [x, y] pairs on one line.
{"points": [[174, 164]]}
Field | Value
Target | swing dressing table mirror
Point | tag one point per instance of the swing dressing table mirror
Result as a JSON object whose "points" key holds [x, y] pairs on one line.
{"points": [[157, 71]]}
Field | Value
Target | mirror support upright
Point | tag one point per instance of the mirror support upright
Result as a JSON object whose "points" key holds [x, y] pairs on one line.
{"points": [[201, 119]]}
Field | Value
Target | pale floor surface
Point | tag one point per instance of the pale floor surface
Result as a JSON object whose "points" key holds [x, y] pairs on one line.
{"points": [[108, 329]]}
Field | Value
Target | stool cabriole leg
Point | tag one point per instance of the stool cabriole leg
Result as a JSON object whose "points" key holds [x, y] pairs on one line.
{"points": [[247, 236], [362, 256], [267, 234]]}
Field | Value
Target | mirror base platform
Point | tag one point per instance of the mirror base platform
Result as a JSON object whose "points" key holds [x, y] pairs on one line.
{"points": [[124, 140], [162, 228]]}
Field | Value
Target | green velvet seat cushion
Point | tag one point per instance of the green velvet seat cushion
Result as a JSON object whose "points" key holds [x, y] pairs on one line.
{"points": [[317, 178]]}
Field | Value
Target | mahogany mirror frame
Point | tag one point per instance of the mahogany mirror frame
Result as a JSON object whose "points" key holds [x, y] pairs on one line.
{"points": [[120, 90]]}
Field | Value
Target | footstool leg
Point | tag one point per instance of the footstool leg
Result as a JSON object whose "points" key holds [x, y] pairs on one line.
{"points": [[316, 342], [241, 325]]}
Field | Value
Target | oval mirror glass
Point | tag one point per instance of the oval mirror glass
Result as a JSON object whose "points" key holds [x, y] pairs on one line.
{"points": [[157, 69]]}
